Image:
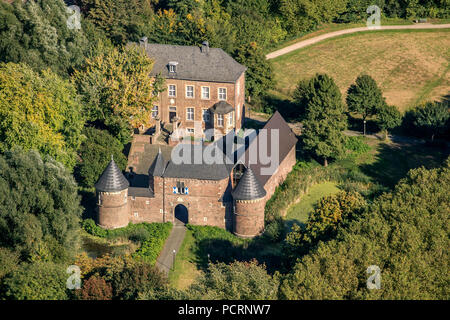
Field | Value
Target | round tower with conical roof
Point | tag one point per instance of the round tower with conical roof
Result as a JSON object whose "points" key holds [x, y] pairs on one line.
{"points": [[112, 198], [249, 197]]}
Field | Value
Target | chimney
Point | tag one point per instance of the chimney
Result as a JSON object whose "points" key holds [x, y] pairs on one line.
{"points": [[205, 47], [143, 42]]}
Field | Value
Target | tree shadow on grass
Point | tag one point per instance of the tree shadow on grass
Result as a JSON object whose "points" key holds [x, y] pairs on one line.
{"points": [[394, 160]]}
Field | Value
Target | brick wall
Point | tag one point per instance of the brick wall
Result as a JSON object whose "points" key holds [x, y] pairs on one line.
{"points": [[283, 170], [113, 209], [249, 218]]}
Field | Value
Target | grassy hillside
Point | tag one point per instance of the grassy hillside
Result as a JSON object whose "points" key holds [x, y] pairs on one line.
{"points": [[411, 66]]}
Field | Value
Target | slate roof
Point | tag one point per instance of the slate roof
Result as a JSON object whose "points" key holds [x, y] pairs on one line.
{"points": [[112, 179], [287, 140], [202, 171], [215, 65], [221, 107], [140, 192], [248, 188], [158, 166]]}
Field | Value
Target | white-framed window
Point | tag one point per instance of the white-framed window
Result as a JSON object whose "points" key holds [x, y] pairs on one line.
{"points": [[173, 108], [172, 68], [155, 112], [189, 91], [222, 93], [220, 120], [190, 130], [190, 114], [172, 90], [136, 214], [238, 110], [205, 93], [230, 119], [205, 115]]}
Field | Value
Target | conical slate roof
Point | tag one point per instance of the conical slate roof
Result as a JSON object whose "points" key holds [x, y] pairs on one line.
{"points": [[157, 167], [248, 188], [112, 179]]}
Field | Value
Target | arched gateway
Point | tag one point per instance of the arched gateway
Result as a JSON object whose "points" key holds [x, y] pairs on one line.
{"points": [[181, 215]]}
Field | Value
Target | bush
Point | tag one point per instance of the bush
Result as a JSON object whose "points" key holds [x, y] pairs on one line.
{"points": [[275, 230], [356, 145], [91, 227]]}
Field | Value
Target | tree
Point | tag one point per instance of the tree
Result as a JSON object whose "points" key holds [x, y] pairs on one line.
{"points": [[364, 97], [433, 118], [404, 233], [329, 215], [388, 117], [324, 118], [36, 281], [238, 280], [39, 207], [95, 153], [94, 288], [259, 76], [117, 90], [39, 111], [36, 33]]}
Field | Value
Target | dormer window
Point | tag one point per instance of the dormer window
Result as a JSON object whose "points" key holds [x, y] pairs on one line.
{"points": [[173, 67]]}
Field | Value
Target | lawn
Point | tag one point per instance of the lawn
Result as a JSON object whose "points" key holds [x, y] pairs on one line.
{"points": [[411, 66], [299, 212], [185, 268]]}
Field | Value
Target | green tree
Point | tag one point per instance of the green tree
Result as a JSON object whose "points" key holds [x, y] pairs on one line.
{"points": [[95, 153], [36, 281], [259, 76], [118, 91], [36, 33], [388, 118], [433, 118], [238, 280], [364, 97], [324, 116], [405, 233], [39, 207], [39, 111]]}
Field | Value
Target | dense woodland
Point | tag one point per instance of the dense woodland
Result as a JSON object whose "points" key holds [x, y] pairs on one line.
{"points": [[65, 92]]}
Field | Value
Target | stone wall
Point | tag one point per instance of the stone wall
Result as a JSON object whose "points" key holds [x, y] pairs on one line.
{"points": [[113, 209]]}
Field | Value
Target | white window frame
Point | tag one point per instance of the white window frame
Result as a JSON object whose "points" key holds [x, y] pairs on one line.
{"points": [[193, 91], [188, 113], [238, 111], [155, 109], [190, 131], [220, 120], [172, 68], [219, 94], [209, 93], [169, 90], [238, 89], [206, 112], [231, 118]]}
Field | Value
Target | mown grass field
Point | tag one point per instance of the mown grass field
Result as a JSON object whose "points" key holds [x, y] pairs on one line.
{"points": [[411, 66]]}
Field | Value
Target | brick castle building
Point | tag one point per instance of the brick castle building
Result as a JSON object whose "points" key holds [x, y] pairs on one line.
{"points": [[230, 194]]}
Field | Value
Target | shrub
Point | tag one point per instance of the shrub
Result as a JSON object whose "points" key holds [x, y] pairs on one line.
{"points": [[275, 230], [356, 145], [91, 227]]}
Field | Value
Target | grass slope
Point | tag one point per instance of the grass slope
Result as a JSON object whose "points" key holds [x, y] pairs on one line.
{"points": [[411, 66]]}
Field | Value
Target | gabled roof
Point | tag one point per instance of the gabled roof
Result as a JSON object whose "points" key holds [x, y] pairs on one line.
{"points": [[112, 179], [287, 140], [158, 166], [213, 64], [248, 188]]}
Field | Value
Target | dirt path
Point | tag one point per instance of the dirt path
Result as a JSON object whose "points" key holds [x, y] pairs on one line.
{"points": [[304, 43]]}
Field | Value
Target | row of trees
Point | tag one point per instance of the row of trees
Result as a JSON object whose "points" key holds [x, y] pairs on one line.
{"points": [[323, 114]]}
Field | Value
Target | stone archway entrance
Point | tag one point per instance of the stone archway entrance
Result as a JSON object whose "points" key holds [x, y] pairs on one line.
{"points": [[181, 215]]}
